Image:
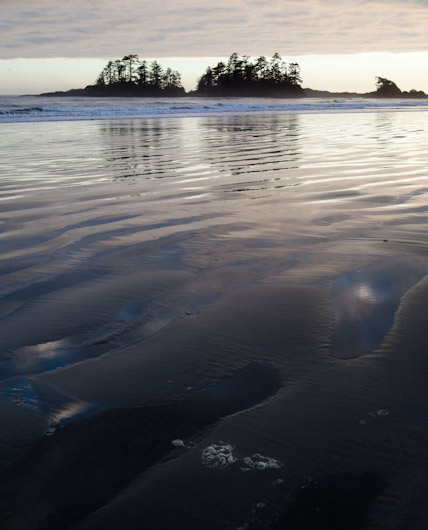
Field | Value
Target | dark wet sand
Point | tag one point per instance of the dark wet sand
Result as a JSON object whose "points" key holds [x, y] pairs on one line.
{"points": [[215, 323]]}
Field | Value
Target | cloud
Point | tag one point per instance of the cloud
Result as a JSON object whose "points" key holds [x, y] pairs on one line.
{"points": [[107, 28]]}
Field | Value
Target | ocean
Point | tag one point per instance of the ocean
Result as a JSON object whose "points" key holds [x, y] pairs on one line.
{"points": [[15, 109], [213, 314]]}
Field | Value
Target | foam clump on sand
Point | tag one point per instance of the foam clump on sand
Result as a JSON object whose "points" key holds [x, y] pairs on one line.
{"points": [[380, 412], [221, 455], [217, 456], [178, 443], [258, 461]]}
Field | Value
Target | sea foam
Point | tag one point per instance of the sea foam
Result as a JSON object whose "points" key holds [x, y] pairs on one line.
{"points": [[218, 456]]}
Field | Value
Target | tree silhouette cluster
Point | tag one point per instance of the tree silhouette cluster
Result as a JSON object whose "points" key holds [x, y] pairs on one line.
{"points": [[242, 77], [385, 88], [238, 77], [132, 76]]}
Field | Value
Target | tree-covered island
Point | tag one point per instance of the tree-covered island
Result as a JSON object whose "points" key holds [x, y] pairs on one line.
{"points": [[386, 88], [131, 77], [135, 77], [242, 77]]}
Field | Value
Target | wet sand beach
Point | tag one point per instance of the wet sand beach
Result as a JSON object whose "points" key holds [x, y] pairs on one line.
{"points": [[215, 322]]}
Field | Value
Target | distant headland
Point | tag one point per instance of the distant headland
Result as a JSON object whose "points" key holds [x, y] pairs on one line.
{"points": [[239, 77]]}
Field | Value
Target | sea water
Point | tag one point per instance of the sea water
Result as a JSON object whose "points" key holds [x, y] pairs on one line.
{"points": [[42, 108]]}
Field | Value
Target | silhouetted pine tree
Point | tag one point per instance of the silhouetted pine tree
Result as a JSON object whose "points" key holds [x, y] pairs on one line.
{"points": [[294, 76], [143, 74]]}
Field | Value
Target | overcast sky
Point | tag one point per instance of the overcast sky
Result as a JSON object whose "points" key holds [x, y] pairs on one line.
{"points": [[325, 36]]}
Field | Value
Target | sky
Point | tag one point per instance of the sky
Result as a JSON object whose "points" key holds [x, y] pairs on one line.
{"points": [[341, 45]]}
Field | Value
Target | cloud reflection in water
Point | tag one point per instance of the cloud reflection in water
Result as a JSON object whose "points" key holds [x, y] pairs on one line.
{"points": [[365, 301]]}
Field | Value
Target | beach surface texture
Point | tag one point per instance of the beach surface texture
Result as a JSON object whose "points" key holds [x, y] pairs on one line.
{"points": [[213, 314]]}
